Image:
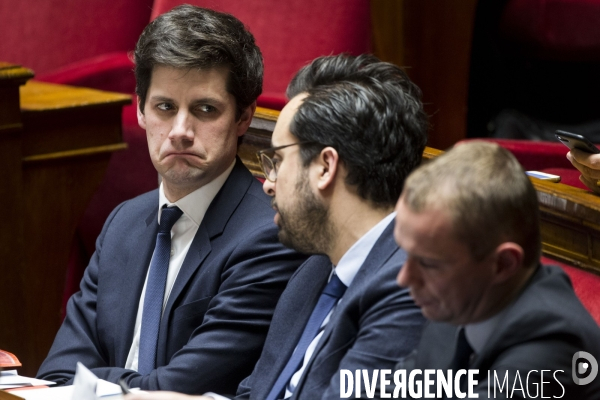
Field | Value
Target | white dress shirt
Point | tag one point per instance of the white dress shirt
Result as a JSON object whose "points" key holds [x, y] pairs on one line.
{"points": [[194, 206]]}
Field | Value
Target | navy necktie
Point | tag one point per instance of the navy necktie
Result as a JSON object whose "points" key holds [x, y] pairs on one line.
{"points": [[462, 356], [462, 353], [155, 291], [331, 294]]}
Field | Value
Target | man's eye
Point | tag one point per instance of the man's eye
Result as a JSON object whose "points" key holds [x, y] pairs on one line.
{"points": [[427, 263], [205, 108], [165, 106]]}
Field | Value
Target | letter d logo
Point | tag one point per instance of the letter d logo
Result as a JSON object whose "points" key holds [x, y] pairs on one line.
{"points": [[583, 367]]}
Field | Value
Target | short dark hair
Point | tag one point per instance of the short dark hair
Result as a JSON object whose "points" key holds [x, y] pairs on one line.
{"points": [[194, 37], [370, 112]]}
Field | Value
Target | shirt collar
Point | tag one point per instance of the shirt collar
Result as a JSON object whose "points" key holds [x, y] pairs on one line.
{"points": [[479, 333], [354, 258], [195, 204]]}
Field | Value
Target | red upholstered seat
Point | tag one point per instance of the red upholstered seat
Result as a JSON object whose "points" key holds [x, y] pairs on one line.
{"points": [[586, 285], [290, 33], [49, 35]]}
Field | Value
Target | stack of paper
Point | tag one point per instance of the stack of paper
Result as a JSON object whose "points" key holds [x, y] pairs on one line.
{"points": [[10, 379]]}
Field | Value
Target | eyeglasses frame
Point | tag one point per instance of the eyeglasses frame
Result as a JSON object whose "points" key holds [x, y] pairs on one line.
{"points": [[261, 153]]}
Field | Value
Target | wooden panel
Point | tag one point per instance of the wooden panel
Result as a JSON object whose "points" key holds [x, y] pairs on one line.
{"points": [[56, 141], [432, 40], [387, 30], [42, 97], [257, 137], [570, 224], [56, 193], [11, 229]]}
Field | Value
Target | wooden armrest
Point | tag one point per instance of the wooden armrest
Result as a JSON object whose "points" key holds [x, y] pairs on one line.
{"points": [[7, 396]]}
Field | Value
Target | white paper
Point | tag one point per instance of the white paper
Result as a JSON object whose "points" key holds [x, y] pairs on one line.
{"points": [[84, 384], [58, 393], [61, 393], [10, 379], [106, 388]]}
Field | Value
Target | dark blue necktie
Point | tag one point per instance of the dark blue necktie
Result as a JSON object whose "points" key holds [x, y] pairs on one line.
{"points": [[331, 294], [462, 353], [155, 291], [462, 356]]}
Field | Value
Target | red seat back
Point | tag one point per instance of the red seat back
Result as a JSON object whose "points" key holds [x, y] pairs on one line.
{"points": [[44, 35], [290, 34], [586, 285]]}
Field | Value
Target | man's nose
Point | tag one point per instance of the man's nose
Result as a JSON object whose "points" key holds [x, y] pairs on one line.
{"points": [[406, 275], [269, 187], [181, 130]]}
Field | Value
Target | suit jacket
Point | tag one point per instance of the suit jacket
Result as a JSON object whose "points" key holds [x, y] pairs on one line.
{"points": [[220, 307], [542, 330], [375, 323]]}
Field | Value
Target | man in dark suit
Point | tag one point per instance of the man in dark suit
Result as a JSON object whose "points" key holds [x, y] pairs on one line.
{"points": [[352, 131], [469, 224], [184, 281]]}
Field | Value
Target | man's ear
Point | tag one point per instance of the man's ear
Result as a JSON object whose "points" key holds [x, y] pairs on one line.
{"points": [[141, 117], [327, 164], [509, 261], [245, 119]]}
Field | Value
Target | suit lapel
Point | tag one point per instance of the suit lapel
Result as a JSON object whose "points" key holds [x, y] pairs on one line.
{"points": [[317, 273], [213, 224], [134, 275], [381, 252]]}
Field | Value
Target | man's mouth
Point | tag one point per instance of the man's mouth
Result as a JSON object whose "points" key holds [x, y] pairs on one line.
{"points": [[181, 154]]}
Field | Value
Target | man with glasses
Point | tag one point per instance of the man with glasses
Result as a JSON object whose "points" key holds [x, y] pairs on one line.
{"points": [[184, 281], [352, 131]]}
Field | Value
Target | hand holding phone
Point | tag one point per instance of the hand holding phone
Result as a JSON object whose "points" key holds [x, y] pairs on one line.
{"points": [[584, 156]]}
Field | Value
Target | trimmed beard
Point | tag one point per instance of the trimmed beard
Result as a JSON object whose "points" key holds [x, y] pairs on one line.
{"points": [[305, 227]]}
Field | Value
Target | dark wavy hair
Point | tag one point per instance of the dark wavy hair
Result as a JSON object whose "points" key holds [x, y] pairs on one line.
{"points": [[194, 37], [370, 112]]}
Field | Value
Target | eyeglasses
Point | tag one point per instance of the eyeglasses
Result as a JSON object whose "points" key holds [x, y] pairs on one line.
{"points": [[268, 165]]}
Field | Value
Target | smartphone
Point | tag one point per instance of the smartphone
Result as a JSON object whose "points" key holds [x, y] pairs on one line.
{"points": [[543, 176], [576, 141]]}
